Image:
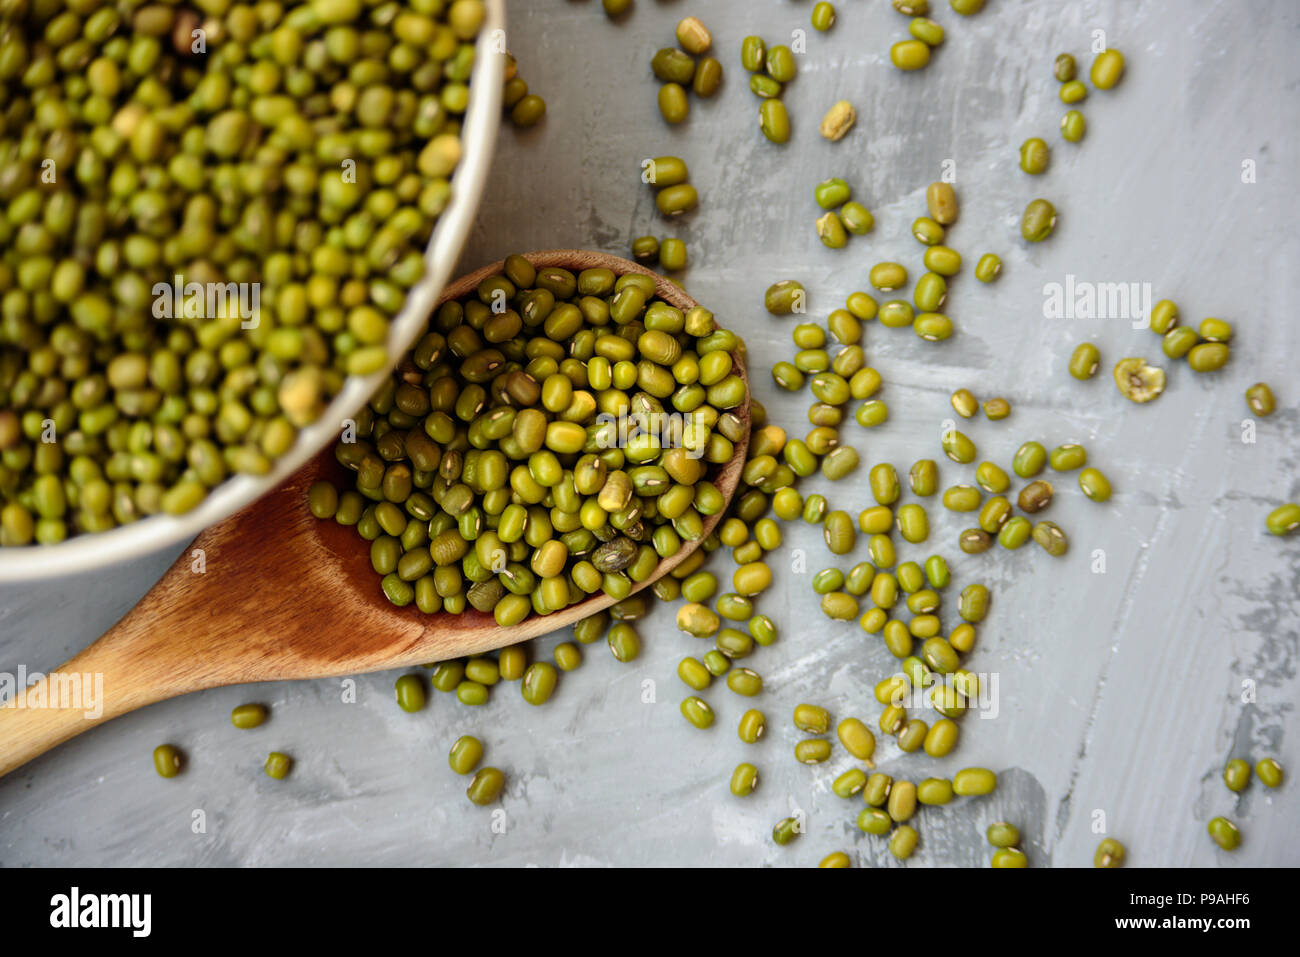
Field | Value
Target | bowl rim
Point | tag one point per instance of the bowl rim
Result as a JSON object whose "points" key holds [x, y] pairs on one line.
{"points": [[96, 550]]}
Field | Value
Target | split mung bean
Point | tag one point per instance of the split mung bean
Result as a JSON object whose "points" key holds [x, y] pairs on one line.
{"points": [[1137, 381]]}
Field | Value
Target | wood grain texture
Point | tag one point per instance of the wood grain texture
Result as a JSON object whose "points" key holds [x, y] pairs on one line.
{"points": [[273, 594]]}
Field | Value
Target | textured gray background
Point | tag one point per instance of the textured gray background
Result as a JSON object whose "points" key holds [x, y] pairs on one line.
{"points": [[1119, 691]]}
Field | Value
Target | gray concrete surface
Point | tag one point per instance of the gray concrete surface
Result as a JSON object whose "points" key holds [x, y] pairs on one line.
{"points": [[1121, 691]]}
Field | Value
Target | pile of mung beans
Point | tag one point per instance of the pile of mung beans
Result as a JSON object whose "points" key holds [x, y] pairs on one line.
{"points": [[298, 150], [835, 225], [926, 34], [679, 71], [1236, 777], [523, 107], [551, 436], [447, 484], [749, 527], [770, 69]]}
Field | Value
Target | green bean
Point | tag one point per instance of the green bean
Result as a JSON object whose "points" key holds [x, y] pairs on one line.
{"points": [[901, 803], [830, 193], [693, 36], [974, 781], [936, 572], [486, 786], [927, 231], [877, 790], [1107, 69], [1224, 833], [926, 30], [247, 716], [780, 63], [1094, 484], [167, 760], [910, 55], [874, 821], [812, 751], [958, 447], [1003, 834], [1179, 341], [1034, 156], [697, 712], [744, 681], [1073, 126], [923, 477], [744, 780], [857, 219], [1269, 772], [752, 725], [539, 682], [988, 268], [1038, 221], [1010, 857], [1029, 460], [850, 783], [465, 754], [1084, 361], [1208, 356], [786, 830], [1073, 91], [753, 53], [857, 739], [934, 791], [278, 765], [774, 121], [1236, 774], [1110, 853], [410, 693], [1260, 399], [717, 663]]}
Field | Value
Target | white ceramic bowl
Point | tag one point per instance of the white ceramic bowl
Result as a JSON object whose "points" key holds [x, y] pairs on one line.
{"points": [[84, 553]]}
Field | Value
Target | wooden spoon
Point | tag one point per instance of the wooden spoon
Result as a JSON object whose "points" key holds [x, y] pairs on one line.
{"points": [[272, 593]]}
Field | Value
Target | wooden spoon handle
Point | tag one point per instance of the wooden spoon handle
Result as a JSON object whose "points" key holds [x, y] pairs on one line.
{"points": [[90, 689]]}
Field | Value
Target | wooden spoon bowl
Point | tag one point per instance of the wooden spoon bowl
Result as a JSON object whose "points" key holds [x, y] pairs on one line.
{"points": [[272, 593]]}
